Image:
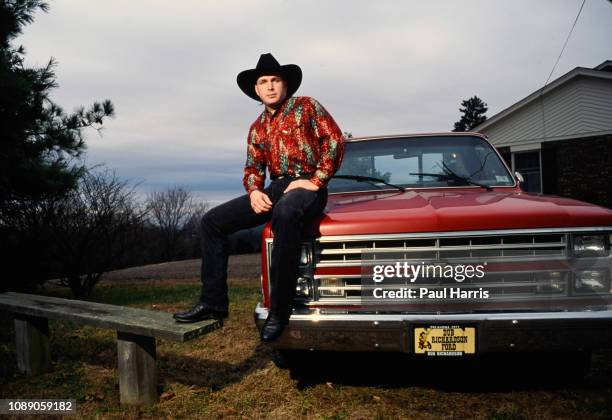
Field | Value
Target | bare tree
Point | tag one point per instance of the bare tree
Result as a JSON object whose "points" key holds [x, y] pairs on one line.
{"points": [[93, 228], [192, 227], [170, 212]]}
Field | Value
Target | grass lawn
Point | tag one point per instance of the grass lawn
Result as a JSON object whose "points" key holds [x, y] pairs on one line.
{"points": [[228, 373]]}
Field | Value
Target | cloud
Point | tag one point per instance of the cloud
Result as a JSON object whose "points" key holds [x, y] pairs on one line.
{"points": [[379, 67]]}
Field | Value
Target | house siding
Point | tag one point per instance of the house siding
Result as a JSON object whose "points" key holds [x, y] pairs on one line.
{"points": [[581, 107]]}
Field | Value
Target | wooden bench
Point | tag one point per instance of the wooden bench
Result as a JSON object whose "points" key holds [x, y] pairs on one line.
{"points": [[136, 333]]}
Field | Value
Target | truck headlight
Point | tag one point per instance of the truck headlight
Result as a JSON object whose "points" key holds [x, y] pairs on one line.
{"points": [[590, 246], [592, 281], [302, 287], [306, 254]]}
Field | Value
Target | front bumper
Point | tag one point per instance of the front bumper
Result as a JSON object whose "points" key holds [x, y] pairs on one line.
{"points": [[495, 332]]}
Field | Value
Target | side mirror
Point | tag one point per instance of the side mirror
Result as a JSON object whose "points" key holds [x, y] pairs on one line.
{"points": [[519, 177]]}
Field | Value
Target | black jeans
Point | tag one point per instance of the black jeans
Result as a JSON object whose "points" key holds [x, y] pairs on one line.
{"points": [[289, 212]]}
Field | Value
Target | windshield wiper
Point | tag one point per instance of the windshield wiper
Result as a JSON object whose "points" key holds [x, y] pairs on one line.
{"points": [[369, 179], [449, 175]]}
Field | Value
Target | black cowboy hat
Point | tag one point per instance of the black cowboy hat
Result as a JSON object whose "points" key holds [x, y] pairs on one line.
{"points": [[267, 65]]}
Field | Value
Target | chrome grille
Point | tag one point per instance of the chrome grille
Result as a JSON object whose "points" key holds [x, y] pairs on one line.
{"points": [[347, 252], [512, 249], [510, 285]]}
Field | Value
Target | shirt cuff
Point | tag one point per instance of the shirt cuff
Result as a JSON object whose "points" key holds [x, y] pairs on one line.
{"points": [[317, 181]]}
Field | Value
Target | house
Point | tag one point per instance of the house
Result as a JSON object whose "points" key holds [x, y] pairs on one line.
{"points": [[560, 137]]}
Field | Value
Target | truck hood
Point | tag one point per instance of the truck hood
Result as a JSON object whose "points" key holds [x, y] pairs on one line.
{"points": [[454, 210]]}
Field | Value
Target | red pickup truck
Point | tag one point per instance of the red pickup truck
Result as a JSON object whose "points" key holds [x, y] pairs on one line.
{"points": [[540, 264]]}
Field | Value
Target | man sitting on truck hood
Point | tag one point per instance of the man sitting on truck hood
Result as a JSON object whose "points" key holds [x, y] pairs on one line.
{"points": [[301, 145]]}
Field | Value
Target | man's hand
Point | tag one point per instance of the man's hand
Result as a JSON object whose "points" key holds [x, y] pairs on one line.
{"points": [[301, 183], [260, 202]]}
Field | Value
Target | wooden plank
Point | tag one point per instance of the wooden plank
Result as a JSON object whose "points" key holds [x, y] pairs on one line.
{"points": [[137, 369], [32, 344], [121, 318]]}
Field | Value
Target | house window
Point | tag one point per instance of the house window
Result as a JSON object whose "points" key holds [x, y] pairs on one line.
{"points": [[529, 164]]}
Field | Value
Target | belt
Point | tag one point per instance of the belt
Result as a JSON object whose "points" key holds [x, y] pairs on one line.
{"points": [[286, 176]]}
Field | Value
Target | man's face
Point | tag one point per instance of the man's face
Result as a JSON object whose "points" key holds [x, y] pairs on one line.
{"points": [[272, 90]]}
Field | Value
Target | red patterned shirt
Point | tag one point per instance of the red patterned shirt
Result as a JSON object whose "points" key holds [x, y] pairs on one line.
{"points": [[299, 138]]}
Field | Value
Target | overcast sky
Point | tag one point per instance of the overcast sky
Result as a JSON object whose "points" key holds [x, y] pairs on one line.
{"points": [[379, 67]]}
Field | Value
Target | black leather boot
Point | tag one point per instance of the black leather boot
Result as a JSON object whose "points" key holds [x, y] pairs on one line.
{"points": [[199, 313], [273, 327]]}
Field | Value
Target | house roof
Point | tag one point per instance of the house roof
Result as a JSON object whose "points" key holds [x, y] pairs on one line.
{"points": [[605, 66], [602, 71]]}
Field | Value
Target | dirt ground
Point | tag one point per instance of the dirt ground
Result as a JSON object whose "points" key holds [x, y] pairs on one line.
{"points": [[230, 374], [242, 269]]}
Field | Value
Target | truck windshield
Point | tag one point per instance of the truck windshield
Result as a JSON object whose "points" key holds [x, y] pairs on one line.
{"points": [[420, 162]]}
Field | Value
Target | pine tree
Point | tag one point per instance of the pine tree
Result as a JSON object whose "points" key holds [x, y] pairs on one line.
{"points": [[40, 146], [473, 110], [39, 142]]}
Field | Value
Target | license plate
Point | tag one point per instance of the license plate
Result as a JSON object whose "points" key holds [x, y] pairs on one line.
{"points": [[445, 340]]}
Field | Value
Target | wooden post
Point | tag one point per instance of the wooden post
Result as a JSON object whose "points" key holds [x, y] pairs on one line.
{"points": [[137, 369], [32, 344]]}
